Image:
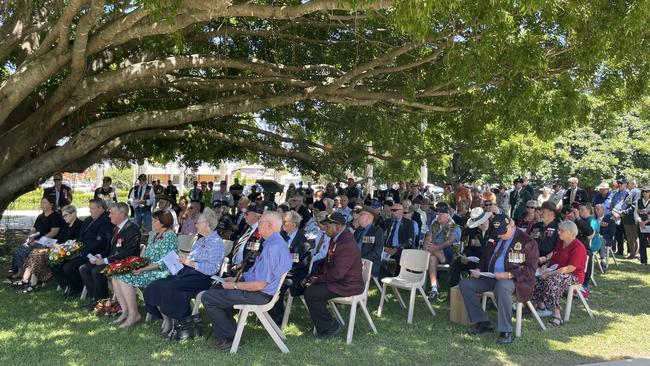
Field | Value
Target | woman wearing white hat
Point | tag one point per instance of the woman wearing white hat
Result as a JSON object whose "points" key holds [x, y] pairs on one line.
{"points": [[477, 238]]}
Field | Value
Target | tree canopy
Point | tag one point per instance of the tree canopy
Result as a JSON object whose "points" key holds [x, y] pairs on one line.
{"points": [[322, 85]]}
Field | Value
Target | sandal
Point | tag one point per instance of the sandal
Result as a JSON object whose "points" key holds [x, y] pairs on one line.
{"points": [[556, 321], [32, 288]]}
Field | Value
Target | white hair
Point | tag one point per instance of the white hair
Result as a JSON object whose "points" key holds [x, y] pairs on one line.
{"points": [[274, 218], [211, 217], [568, 226]]}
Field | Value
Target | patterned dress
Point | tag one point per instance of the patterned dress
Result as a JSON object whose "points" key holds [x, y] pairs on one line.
{"points": [[157, 248]]}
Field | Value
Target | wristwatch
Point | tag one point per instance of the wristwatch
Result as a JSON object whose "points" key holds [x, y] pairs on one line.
{"points": [[235, 285], [509, 275]]}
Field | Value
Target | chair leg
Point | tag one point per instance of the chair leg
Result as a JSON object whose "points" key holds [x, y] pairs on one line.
{"points": [[147, 318], [518, 320], [287, 311], [426, 301], [409, 319], [273, 325], [584, 302], [304, 302], [484, 299], [367, 314], [351, 322], [376, 280], [337, 313], [84, 293], [569, 302], [592, 278], [399, 297], [381, 300], [532, 309], [610, 251], [197, 303], [240, 329], [271, 329]]}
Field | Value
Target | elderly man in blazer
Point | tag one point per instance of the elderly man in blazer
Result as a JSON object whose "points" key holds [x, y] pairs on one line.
{"points": [[370, 238], [339, 276], [574, 193], [512, 260], [125, 242]]}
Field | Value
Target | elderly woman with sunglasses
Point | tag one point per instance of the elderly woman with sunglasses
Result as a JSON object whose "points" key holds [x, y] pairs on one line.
{"points": [[531, 217]]}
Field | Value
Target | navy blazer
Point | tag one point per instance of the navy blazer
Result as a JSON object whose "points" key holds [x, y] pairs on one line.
{"points": [[96, 235], [125, 244], [372, 245], [299, 268]]}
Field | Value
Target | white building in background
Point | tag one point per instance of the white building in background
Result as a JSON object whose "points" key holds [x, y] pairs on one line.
{"points": [[183, 176]]}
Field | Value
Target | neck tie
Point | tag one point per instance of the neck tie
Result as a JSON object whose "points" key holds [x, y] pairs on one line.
{"points": [[241, 242], [391, 233], [115, 231], [320, 242]]}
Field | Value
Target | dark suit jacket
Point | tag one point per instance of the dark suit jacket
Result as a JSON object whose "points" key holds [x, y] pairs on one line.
{"points": [[372, 245], [518, 203], [96, 235], [242, 227], [608, 231], [125, 244], [299, 269], [523, 273], [341, 269], [476, 242], [65, 198], [581, 196], [405, 234]]}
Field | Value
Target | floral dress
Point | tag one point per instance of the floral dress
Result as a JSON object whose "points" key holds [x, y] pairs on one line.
{"points": [[157, 248]]}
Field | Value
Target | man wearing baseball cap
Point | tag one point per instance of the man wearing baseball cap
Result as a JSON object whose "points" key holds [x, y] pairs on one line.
{"points": [[511, 259], [339, 275]]}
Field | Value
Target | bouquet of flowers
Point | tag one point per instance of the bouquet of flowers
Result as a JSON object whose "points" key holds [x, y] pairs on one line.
{"points": [[125, 265], [68, 250], [107, 307]]}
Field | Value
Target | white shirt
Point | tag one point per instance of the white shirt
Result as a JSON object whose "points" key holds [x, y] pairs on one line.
{"points": [[322, 253], [239, 256]]}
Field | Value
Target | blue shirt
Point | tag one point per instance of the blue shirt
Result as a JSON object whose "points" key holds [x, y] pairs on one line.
{"points": [[207, 252], [395, 233], [322, 252], [617, 200], [272, 263], [499, 264]]}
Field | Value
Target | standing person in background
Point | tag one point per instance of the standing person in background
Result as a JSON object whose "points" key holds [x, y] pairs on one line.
{"points": [[61, 193], [544, 196], [171, 190], [642, 217], [462, 195], [528, 187], [236, 190], [208, 192], [574, 193], [196, 194], [503, 199], [158, 189], [557, 195], [519, 197], [629, 223], [602, 197], [616, 208], [106, 193], [141, 199]]}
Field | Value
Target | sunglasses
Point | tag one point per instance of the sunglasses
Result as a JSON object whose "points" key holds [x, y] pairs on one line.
{"points": [[396, 209], [57, 179], [488, 204], [531, 207]]}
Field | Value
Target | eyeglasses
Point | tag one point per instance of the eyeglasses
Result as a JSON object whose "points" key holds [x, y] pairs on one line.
{"points": [[487, 204], [531, 207], [396, 209], [55, 179]]}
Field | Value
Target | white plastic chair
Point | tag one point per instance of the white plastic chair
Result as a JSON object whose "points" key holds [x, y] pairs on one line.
{"points": [[519, 312], [569, 301], [185, 243], [262, 314], [412, 276], [360, 300], [287, 307]]}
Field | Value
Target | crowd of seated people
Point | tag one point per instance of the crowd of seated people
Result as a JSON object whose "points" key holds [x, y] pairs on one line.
{"points": [[317, 240]]}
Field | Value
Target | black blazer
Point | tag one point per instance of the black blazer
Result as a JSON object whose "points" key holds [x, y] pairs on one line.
{"points": [[372, 245], [405, 234], [96, 235], [240, 228], [581, 196], [299, 269], [476, 236], [126, 243]]}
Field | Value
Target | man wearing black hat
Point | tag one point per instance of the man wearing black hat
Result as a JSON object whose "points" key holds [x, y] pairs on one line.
{"points": [[511, 261], [249, 244], [339, 275], [545, 232], [171, 191], [518, 199], [142, 199], [370, 238]]}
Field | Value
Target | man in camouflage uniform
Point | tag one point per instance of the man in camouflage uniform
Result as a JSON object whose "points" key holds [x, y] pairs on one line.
{"points": [[441, 242]]}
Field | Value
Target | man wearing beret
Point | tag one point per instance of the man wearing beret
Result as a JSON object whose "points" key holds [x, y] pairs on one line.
{"points": [[370, 238], [518, 199], [511, 259], [339, 275]]}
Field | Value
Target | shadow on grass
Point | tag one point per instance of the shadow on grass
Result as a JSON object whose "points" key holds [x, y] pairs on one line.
{"points": [[42, 328]]}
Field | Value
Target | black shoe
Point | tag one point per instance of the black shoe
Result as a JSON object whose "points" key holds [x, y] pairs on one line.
{"points": [[480, 328], [505, 338], [224, 344], [184, 329], [90, 306], [330, 333]]}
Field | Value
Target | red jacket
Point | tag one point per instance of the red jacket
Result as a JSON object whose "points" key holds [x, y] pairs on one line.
{"points": [[341, 269], [523, 248]]}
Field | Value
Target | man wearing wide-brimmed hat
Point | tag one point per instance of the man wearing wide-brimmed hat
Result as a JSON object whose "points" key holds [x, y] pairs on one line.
{"points": [[603, 196], [477, 238]]}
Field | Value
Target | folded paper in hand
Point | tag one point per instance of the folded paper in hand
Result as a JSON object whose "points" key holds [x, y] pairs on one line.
{"points": [[541, 271], [484, 274], [171, 261], [471, 259], [45, 241]]}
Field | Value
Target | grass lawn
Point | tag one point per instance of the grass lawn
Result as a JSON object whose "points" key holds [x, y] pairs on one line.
{"points": [[42, 328]]}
